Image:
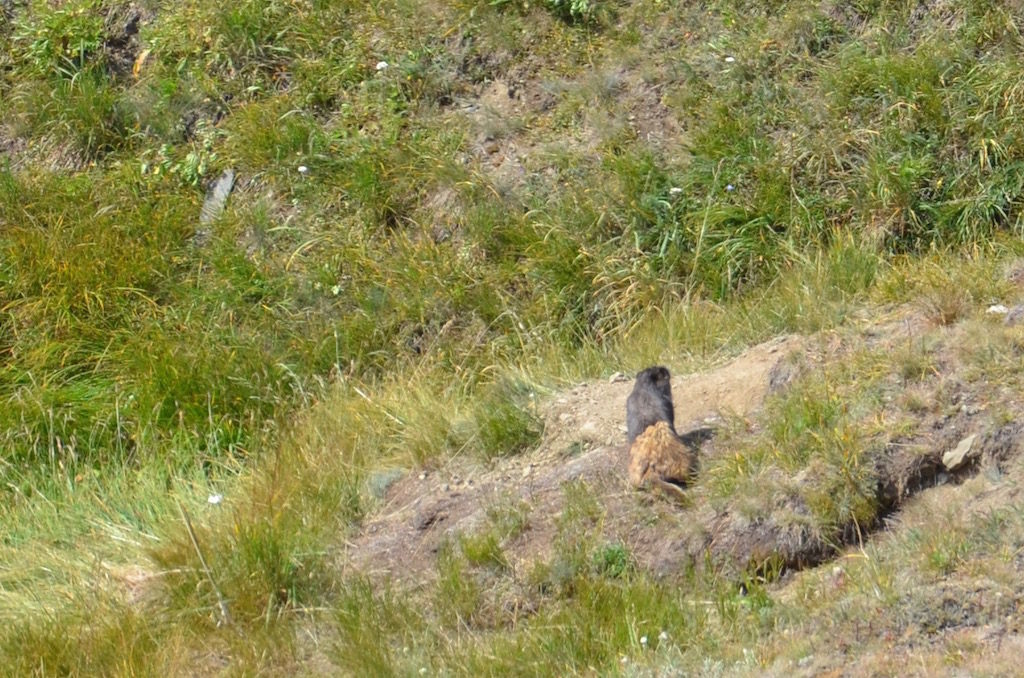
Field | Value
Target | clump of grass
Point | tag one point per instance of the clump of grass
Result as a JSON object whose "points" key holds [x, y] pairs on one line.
{"points": [[458, 594], [802, 414], [261, 565], [916, 401], [612, 560], [65, 87], [914, 363], [506, 422], [509, 518], [577, 538], [506, 520], [571, 11], [365, 621], [275, 134], [112, 637], [946, 553], [819, 434], [86, 112], [243, 44], [946, 306], [484, 548]]}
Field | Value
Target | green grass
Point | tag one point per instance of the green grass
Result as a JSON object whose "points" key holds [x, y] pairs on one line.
{"points": [[696, 180]]}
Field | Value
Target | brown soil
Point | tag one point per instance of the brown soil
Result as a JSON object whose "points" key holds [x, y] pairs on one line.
{"points": [[11, 146], [121, 37], [584, 441]]}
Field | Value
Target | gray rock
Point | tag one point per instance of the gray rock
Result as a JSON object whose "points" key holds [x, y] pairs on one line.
{"points": [[590, 432], [955, 457], [380, 481], [213, 206]]}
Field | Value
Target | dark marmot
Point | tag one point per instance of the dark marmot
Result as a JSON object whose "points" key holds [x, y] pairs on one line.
{"points": [[658, 457]]}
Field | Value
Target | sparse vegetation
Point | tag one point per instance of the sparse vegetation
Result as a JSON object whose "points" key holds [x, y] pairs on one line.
{"points": [[446, 212]]}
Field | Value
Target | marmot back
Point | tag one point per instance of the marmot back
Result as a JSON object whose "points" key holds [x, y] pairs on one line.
{"points": [[658, 457]]}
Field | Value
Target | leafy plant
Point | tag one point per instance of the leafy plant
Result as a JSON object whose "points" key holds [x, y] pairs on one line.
{"points": [[575, 10], [63, 41]]}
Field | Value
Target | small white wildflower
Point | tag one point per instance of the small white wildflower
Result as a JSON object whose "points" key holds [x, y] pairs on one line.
{"points": [[730, 188], [336, 290], [214, 499], [381, 65], [643, 640], [303, 170], [423, 671], [998, 308], [624, 660], [675, 190], [729, 59], [663, 636]]}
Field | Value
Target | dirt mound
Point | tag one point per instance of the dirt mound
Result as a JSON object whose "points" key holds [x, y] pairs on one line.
{"points": [[944, 434], [584, 441]]}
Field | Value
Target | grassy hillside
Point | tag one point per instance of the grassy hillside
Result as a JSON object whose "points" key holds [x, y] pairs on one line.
{"points": [[444, 212]]}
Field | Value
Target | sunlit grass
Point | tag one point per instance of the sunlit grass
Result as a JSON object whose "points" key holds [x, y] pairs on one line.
{"points": [[681, 183]]}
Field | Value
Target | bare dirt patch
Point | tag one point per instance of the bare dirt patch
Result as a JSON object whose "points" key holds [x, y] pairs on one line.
{"points": [[121, 37], [501, 113], [637, 104], [11, 146], [509, 115]]}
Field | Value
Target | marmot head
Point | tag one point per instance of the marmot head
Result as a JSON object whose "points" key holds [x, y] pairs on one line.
{"points": [[659, 379]]}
